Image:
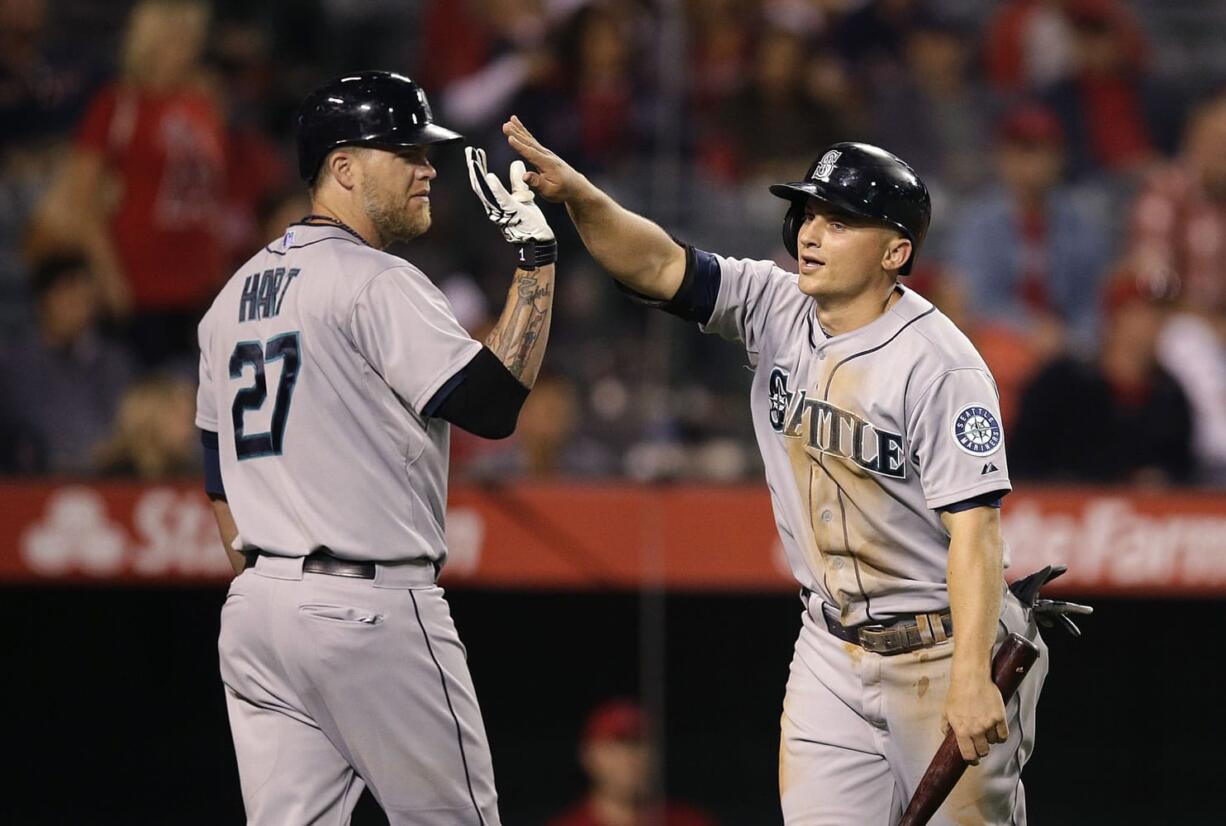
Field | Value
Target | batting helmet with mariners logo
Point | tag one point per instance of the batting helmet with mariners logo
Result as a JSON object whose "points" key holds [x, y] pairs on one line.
{"points": [[383, 110], [862, 180]]}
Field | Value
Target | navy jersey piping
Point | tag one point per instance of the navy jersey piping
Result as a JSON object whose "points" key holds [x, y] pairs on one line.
{"points": [[897, 333], [312, 243], [842, 508], [328, 224], [450, 708]]}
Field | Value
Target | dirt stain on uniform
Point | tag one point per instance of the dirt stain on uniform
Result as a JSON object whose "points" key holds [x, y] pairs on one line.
{"points": [[969, 804], [922, 686], [854, 651], [802, 469]]}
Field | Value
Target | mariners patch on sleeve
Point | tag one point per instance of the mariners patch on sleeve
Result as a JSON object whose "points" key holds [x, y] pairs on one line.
{"points": [[977, 431]]}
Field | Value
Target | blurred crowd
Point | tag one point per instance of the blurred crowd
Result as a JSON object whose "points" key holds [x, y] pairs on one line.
{"points": [[1075, 149]]}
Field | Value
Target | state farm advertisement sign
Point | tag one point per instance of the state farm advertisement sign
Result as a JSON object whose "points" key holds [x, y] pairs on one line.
{"points": [[1168, 544], [590, 537], [157, 532]]}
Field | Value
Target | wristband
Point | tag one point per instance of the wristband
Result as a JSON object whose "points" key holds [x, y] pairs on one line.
{"points": [[532, 254]]}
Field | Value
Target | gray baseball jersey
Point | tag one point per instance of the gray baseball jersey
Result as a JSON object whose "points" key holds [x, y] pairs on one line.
{"points": [[864, 435], [316, 360]]}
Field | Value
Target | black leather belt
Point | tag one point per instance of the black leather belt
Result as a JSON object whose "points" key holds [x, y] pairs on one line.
{"points": [[898, 636], [323, 562]]}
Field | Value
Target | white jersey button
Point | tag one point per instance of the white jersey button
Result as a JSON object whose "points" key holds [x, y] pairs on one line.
{"points": [[827, 516]]}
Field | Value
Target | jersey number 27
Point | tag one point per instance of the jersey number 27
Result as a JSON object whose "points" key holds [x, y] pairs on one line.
{"points": [[253, 397]]}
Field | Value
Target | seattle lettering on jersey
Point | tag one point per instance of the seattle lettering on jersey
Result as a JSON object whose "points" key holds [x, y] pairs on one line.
{"points": [[834, 431], [264, 292]]}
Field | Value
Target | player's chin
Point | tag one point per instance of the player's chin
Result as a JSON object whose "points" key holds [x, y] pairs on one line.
{"points": [[814, 285], [418, 221]]}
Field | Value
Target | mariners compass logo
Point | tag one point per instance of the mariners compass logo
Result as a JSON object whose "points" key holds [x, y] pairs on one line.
{"points": [[976, 430]]}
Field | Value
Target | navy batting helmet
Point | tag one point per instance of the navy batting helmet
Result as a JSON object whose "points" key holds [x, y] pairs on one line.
{"points": [[378, 109], [862, 180]]}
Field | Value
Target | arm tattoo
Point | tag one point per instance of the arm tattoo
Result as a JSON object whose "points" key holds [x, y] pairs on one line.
{"points": [[519, 338]]}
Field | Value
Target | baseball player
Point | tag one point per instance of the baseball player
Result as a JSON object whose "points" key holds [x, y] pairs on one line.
{"points": [[880, 431], [330, 371]]}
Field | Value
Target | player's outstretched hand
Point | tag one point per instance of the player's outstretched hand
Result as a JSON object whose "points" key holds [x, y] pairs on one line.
{"points": [[976, 713], [554, 178], [516, 212]]}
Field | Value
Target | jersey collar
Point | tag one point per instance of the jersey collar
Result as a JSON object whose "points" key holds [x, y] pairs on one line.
{"points": [[909, 307], [299, 235]]}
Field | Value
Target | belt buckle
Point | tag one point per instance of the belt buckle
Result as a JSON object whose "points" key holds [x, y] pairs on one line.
{"points": [[877, 639], [891, 640]]}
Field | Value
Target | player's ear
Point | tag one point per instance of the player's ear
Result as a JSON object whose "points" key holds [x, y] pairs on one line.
{"points": [[897, 253], [342, 164]]}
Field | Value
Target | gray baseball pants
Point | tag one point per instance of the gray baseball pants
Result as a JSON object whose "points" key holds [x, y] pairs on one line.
{"points": [[335, 683], [859, 729]]}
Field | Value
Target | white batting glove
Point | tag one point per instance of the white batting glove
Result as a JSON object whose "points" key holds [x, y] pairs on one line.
{"points": [[514, 212]]}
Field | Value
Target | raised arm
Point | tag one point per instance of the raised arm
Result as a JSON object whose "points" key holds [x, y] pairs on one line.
{"points": [[519, 337], [486, 395], [635, 251]]}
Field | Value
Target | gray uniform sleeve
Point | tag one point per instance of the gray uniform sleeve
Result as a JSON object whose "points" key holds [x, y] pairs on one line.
{"points": [[406, 330], [746, 291], [206, 399], [956, 439]]}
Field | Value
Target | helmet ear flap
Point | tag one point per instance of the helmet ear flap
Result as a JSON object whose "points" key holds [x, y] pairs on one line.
{"points": [[791, 228]]}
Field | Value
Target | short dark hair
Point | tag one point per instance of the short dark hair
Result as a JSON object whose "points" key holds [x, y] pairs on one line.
{"points": [[56, 269]]}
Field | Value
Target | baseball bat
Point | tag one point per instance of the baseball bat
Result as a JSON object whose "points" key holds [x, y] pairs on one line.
{"points": [[1010, 665]]}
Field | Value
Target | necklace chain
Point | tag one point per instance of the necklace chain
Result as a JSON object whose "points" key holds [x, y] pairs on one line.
{"points": [[314, 218]]}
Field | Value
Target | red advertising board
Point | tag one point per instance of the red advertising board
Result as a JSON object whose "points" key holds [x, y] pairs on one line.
{"points": [[585, 537]]}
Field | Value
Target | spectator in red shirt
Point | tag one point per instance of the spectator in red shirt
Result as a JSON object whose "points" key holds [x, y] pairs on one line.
{"points": [[618, 758], [1114, 116], [1179, 225], [1179, 220], [456, 34], [1027, 46], [160, 135], [245, 64]]}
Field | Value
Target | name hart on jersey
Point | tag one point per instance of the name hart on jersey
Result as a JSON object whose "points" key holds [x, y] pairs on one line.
{"points": [[838, 432], [264, 292]]}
